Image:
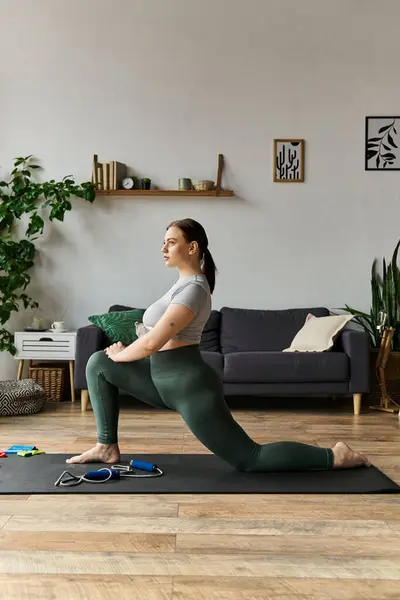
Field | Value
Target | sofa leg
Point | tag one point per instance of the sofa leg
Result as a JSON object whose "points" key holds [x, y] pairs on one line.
{"points": [[357, 403], [84, 400]]}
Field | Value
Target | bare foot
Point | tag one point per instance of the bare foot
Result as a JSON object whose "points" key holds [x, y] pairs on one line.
{"points": [[346, 458], [106, 453]]}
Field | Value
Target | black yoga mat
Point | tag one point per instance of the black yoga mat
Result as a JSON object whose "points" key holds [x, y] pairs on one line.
{"points": [[186, 474]]}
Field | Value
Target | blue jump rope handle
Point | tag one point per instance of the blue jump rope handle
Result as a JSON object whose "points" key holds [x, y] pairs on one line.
{"points": [[102, 474], [145, 466]]}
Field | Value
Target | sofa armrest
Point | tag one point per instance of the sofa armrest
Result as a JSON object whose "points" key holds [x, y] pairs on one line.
{"points": [[89, 340], [356, 344]]}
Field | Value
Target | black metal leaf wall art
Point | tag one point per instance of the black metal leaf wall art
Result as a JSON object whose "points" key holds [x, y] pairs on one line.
{"points": [[382, 144]]}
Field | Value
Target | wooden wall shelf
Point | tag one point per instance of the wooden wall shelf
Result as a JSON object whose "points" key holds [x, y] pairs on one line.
{"points": [[164, 193]]}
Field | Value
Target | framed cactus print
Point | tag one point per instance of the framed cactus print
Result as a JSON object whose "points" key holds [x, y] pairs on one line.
{"points": [[288, 161], [382, 141]]}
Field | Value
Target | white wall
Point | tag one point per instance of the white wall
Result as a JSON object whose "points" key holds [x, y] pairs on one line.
{"points": [[164, 85]]}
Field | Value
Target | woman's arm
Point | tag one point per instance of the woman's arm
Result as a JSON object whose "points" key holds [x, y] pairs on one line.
{"points": [[175, 318]]}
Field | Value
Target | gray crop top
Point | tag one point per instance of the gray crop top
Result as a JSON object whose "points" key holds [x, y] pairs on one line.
{"points": [[194, 292]]}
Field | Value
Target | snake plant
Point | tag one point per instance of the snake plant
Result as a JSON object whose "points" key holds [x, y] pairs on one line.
{"points": [[385, 299]]}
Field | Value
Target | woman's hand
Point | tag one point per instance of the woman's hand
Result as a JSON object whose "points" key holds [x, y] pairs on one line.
{"points": [[113, 351]]}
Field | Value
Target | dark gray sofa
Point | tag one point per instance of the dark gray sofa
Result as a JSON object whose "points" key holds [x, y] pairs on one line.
{"points": [[245, 346]]}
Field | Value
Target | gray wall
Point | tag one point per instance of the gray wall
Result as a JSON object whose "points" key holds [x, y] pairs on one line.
{"points": [[164, 85]]}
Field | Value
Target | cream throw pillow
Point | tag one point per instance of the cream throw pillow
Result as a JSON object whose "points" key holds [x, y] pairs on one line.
{"points": [[318, 333]]}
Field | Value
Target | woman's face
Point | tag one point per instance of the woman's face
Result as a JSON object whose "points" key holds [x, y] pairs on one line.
{"points": [[176, 250]]}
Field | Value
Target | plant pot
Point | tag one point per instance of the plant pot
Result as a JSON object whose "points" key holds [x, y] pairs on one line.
{"points": [[145, 184], [392, 374]]}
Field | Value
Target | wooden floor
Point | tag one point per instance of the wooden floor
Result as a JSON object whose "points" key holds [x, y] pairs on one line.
{"points": [[197, 547]]}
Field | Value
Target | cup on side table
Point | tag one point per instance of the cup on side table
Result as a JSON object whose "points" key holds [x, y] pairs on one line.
{"points": [[58, 326]]}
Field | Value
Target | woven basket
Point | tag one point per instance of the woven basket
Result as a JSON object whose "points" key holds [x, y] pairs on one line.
{"points": [[51, 377]]}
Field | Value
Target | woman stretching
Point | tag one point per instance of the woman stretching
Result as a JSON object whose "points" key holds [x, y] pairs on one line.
{"points": [[164, 367]]}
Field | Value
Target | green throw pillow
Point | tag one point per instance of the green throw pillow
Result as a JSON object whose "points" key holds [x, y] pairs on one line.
{"points": [[119, 326]]}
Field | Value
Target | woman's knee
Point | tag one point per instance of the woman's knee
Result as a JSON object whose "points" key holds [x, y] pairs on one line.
{"points": [[249, 462], [97, 362]]}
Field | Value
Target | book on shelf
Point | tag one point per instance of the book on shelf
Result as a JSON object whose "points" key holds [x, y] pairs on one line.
{"points": [[119, 173], [108, 175]]}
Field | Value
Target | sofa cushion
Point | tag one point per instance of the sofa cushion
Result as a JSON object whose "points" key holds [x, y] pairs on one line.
{"points": [[210, 339], [318, 334], [279, 367], [249, 329], [119, 308], [119, 326], [215, 360]]}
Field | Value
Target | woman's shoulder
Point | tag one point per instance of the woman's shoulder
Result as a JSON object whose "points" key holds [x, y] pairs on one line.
{"points": [[196, 278], [197, 281]]}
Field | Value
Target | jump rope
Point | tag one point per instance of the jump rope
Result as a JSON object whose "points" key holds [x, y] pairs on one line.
{"points": [[104, 474]]}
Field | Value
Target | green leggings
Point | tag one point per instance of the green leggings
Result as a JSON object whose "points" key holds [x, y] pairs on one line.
{"points": [[182, 381]]}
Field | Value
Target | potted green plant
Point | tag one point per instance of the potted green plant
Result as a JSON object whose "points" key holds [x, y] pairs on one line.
{"points": [[21, 195], [385, 301], [385, 298], [145, 183]]}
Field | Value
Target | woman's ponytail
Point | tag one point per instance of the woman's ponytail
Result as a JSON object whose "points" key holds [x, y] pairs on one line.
{"points": [[209, 269]]}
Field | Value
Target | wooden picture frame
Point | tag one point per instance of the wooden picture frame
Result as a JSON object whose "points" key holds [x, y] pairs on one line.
{"points": [[288, 161], [382, 141]]}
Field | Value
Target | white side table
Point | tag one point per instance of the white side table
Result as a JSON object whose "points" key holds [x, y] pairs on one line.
{"points": [[46, 345]]}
